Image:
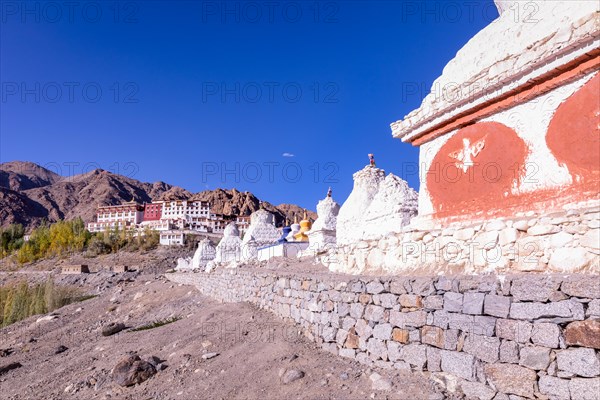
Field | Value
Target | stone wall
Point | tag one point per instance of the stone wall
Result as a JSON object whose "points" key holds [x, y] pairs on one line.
{"points": [[534, 336], [566, 241]]}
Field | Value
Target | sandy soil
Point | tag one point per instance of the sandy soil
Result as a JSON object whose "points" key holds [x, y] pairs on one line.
{"points": [[253, 348]]}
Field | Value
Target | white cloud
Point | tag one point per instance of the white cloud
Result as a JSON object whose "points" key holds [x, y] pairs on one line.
{"points": [[288, 155]]}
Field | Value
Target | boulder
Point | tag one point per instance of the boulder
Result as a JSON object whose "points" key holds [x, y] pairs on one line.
{"points": [[112, 328], [132, 370]]}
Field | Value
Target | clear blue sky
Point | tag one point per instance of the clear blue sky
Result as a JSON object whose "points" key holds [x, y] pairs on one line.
{"points": [[205, 94]]}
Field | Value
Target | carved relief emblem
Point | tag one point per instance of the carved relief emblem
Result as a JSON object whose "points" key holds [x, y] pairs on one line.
{"points": [[465, 156]]}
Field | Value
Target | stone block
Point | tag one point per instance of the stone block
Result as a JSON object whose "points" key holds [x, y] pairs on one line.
{"points": [[352, 340], [497, 306], [451, 338], [569, 259], [393, 349], [414, 336], [348, 322], [519, 331], [377, 349], [340, 336], [374, 313], [509, 352], [476, 390], [441, 319], [508, 236], [422, 286], [364, 298], [545, 286], [363, 329], [484, 325], [512, 379], [535, 357], [579, 361], [593, 309], [397, 286], [591, 239], [382, 331], [443, 283], [542, 229], [484, 348], [375, 287], [356, 286], [356, 310], [415, 319], [453, 302], [400, 335], [583, 333], [584, 389], [348, 353], [531, 311], [464, 234], [342, 309], [459, 364], [545, 334], [432, 335], [433, 302], [411, 301], [582, 286], [473, 303], [560, 239], [462, 322], [434, 359], [388, 300], [414, 354], [328, 333], [554, 388]]}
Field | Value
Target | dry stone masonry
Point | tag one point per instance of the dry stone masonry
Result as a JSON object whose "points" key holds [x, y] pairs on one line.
{"points": [[564, 241], [489, 334]]}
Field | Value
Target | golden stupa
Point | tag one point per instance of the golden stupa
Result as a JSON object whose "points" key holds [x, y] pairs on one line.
{"points": [[305, 226]]}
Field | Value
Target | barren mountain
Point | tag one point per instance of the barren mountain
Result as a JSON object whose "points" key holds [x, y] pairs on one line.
{"points": [[30, 194], [23, 175], [17, 208]]}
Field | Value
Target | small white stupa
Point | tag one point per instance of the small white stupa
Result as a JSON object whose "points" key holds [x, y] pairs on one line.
{"points": [[261, 232], [230, 247], [377, 206], [204, 253], [323, 232], [295, 229]]}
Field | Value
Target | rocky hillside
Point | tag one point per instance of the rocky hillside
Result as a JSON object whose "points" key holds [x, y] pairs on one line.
{"points": [[23, 175], [234, 202], [30, 194]]}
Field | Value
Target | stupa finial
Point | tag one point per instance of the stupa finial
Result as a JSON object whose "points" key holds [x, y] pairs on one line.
{"points": [[371, 160], [329, 192]]}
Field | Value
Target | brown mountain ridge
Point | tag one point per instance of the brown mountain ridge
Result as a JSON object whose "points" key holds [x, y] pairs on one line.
{"points": [[31, 194]]}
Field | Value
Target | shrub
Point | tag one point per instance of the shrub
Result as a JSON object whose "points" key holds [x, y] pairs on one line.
{"points": [[19, 301]]}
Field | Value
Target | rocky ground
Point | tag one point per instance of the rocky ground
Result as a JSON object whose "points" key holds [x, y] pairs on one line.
{"points": [[217, 351]]}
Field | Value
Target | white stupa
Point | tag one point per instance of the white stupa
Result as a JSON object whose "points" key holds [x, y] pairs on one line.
{"points": [[323, 232], [377, 206], [230, 247], [261, 232]]}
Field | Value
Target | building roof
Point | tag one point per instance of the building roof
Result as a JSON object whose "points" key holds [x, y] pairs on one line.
{"points": [[506, 55]]}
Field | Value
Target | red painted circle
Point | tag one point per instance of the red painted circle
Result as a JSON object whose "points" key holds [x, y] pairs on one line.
{"points": [[574, 134], [476, 169]]}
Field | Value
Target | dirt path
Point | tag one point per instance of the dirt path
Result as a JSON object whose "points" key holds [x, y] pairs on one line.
{"points": [[253, 347]]}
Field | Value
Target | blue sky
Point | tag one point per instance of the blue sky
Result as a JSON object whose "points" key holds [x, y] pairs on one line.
{"points": [[279, 98]]}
